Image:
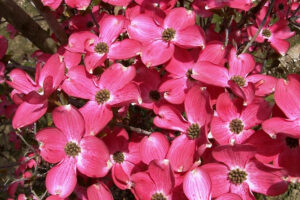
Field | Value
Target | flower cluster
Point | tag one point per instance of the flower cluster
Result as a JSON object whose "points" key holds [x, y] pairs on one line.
{"points": [[217, 126]]}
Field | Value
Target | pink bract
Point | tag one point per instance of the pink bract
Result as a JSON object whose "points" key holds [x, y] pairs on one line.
{"points": [[68, 146]]}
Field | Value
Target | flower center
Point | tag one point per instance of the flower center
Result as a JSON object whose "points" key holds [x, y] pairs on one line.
{"points": [[193, 131], [158, 196], [236, 126], [266, 33], [102, 96], [237, 176], [292, 142], [118, 157], [154, 95], [189, 75], [101, 48], [72, 149], [168, 34], [240, 81]]}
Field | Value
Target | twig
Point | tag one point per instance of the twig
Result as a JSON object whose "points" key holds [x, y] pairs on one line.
{"points": [[260, 26], [10, 165], [22, 138], [43, 195], [13, 64], [95, 22], [16, 163], [134, 129], [227, 30], [289, 9]]}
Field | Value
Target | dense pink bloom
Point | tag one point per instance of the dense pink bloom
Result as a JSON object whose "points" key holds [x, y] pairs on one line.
{"points": [[284, 151], [154, 146], [98, 49], [236, 77], [66, 145], [182, 66], [124, 156], [156, 183], [233, 122], [197, 185], [277, 34], [99, 191], [114, 88], [287, 97], [229, 196], [194, 128], [159, 41], [237, 171], [33, 95], [149, 81]]}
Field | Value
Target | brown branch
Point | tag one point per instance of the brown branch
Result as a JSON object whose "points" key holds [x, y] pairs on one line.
{"points": [[13, 64], [17, 17], [52, 22], [134, 129]]}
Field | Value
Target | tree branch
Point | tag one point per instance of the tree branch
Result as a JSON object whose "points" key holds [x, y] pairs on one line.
{"points": [[52, 22], [17, 17], [134, 129]]}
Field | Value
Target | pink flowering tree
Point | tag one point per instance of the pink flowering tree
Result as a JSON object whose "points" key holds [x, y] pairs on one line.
{"points": [[150, 100]]}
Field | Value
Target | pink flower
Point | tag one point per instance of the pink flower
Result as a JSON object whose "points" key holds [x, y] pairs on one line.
{"points": [[237, 171], [193, 141], [124, 156], [149, 81], [67, 146], [277, 34], [182, 66], [33, 95], [114, 88], [234, 122], [98, 49], [235, 77], [158, 41]]}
